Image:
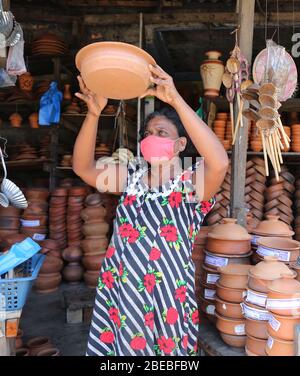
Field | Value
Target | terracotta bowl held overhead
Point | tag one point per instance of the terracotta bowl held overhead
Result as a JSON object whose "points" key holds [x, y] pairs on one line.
{"points": [[115, 70]]}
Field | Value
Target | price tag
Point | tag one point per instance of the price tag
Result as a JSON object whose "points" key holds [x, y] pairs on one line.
{"points": [[212, 278], [256, 298], [240, 329], [282, 255], [254, 239], [283, 303], [275, 324], [215, 260], [39, 237], [270, 342], [209, 294], [27, 223], [255, 314], [210, 309]]}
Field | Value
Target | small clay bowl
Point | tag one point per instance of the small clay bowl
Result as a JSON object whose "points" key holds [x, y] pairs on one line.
{"points": [[91, 278], [229, 294], [230, 326], [257, 328], [256, 346], [279, 347], [51, 265], [234, 276], [93, 262], [233, 340], [283, 327], [227, 309]]}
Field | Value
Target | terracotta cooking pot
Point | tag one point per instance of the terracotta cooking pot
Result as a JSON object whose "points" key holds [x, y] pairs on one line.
{"points": [[46, 283], [91, 213], [10, 211], [49, 243], [233, 340], [296, 267], [90, 245], [229, 294], [257, 298], [72, 272], [51, 265], [283, 327], [207, 306], [254, 312], [285, 249], [279, 347], [95, 228], [256, 346], [272, 226], [91, 278], [93, 262], [234, 276], [72, 254], [209, 276], [230, 326], [37, 194], [207, 292], [214, 261], [257, 328], [34, 220], [226, 309]]}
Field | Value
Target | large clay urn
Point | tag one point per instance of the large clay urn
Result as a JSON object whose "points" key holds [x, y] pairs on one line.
{"points": [[212, 71]]}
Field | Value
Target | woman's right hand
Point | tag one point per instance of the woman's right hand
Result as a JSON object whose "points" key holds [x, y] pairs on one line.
{"points": [[95, 103]]}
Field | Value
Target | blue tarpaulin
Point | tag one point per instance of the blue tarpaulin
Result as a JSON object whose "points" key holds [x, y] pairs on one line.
{"points": [[50, 105]]}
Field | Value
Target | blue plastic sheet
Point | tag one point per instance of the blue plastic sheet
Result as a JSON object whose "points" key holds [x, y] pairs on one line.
{"points": [[50, 104]]}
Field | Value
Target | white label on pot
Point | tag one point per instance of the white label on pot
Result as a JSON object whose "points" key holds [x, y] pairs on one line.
{"points": [[254, 239], [275, 324], [224, 306], [244, 293], [216, 261], [209, 294], [212, 278], [27, 223], [255, 314], [39, 236], [283, 303], [240, 329], [270, 342], [282, 255], [255, 298], [210, 309]]}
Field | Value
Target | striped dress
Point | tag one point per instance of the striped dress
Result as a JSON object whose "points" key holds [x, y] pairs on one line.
{"points": [[145, 302]]}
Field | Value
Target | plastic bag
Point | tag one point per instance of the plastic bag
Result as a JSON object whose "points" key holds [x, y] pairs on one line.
{"points": [[50, 105], [15, 64], [6, 80]]}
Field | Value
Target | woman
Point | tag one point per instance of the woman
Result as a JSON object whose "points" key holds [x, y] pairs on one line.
{"points": [[145, 303]]}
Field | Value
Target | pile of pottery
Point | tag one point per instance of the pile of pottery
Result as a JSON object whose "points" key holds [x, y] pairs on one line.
{"points": [[286, 250], [297, 209], [94, 245], [50, 247], [255, 140], [57, 216], [35, 217], [73, 271], [279, 196], [221, 208], [48, 44], [9, 221], [37, 346], [227, 243], [255, 307], [102, 150], [222, 129], [231, 290], [23, 151], [271, 227], [41, 87], [295, 137], [66, 160], [44, 149]]}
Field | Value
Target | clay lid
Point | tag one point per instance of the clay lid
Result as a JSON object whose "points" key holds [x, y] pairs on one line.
{"points": [[235, 269], [285, 285], [273, 226], [279, 243], [270, 269], [229, 230]]}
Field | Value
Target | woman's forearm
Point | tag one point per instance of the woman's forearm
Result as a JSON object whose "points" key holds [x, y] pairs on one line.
{"points": [[204, 139], [84, 148]]}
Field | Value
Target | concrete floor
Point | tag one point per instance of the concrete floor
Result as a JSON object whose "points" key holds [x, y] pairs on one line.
{"points": [[44, 315]]}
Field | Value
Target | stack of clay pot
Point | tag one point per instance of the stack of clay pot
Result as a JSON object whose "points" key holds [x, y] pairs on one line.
{"points": [[255, 304], [286, 250], [283, 302], [73, 272], [57, 216], [272, 226], [297, 210], [9, 221], [221, 208], [220, 124], [255, 140], [231, 290], [41, 346], [35, 217], [255, 187], [227, 243], [279, 196], [295, 137], [94, 245]]}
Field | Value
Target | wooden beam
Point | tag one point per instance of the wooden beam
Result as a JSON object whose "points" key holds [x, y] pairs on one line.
{"points": [[239, 155], [6, 5]]}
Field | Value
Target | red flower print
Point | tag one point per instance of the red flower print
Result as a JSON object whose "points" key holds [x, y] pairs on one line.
{"points": [[129, 199], [180, 294], [107, 337], [114, 316], [175, 199], [169, 232], [134, 235], [166, 345], [196, 348], [154, 254], [185, 176], [185, 342], [125, 230], [195, 317], [110, 252], [205, 207], [149, 282], [149, 320], [138, 343], [172, 316], [108, 279], [191, 230], [185, 316], [121, 269]]}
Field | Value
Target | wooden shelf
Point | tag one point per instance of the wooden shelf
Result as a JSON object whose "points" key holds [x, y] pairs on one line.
{"points": [[28, 163], [64, 168]]}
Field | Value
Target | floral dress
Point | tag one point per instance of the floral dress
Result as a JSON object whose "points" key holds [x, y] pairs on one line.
{"points": [[145, 302]]}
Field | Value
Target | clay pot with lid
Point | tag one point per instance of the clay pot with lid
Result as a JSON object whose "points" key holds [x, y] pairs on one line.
{"points": [[207, 292], [233, 340], [280, 347], [256, 298], [209, 276], [265, 272], [38, 344], [283, 327], [273, 226], [257, 328], [229, 294], [51, 265], [73, 273], [230, 326], [285, 249], [214, 261], [208, 307], [234, 276], [284, 296], [228, 238], [227, 309], [256, 346]]}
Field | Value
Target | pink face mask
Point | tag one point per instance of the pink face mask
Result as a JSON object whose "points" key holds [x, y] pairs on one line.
{"points": [[155, 148]]}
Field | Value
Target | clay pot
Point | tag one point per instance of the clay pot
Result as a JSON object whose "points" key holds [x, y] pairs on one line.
{"points": [[91, 278], [10, 211], [59, 192], [226, 309], [257, 298], [49, 352], [95, 228], [49, 243], [73, 272], [256, 346], [46, 283], [266, 271], [214, 261], [207, 293], [37, 194], [229, 294], [26, 82], [283, 327], [93, 262], [37, 344], [72, 254], [254, 312], [284, 296], [22, 352], [209, 276], [272, 226], [93, 199], [285, 249], [212, 71], [230, 326], [279, 347], [95, 244], [9, 223], [233, 340], [15, 120], [67, 92], [207, 306], [34, 120], [92, 213], [234, 276], [37, 207], [78, 191], [257, 328], [296, 267], [5, 232], [31, 231], [51, 265]]}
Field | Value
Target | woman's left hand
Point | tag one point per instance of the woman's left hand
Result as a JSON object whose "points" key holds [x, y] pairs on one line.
{"points": [[165, 89]]}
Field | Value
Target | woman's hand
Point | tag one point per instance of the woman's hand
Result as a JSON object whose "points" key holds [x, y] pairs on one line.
{"points": [[95, 103], [165, 89]]}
